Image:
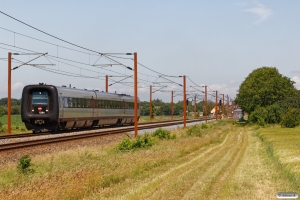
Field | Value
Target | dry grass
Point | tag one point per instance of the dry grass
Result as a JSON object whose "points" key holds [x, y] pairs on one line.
{"points": [[227, 162]]}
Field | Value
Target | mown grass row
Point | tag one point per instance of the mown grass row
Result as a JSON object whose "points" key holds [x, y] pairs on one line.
{"points": [[86, 171], [283, 147]]}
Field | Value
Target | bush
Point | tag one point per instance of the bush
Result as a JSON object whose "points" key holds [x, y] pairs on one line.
{"points": [[274, 114], [140, 142], [163, 134], [291, 118], [195, 131], [259, 116], [204, 126], [24, 165]]}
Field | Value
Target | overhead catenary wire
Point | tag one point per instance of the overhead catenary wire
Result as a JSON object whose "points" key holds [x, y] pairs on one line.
{"points": [[105, 55]]}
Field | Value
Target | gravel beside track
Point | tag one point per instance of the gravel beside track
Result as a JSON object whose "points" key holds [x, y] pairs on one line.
{"points": [[14, 155]]}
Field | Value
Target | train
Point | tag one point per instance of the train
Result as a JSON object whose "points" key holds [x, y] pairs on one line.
{"points": [[54, 108]]}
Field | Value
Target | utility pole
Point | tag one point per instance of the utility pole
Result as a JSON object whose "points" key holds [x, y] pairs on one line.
{"points": [[195, 107], [216, 110], [206, 103], [9, 69], [227, 106], [172, 106], [184, 101], [150, 103], [9, 95], [106, 83], [223, 112], [135, 96]]}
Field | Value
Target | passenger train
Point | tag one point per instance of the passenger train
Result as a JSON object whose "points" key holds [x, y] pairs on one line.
{"points": [[53, 108]]}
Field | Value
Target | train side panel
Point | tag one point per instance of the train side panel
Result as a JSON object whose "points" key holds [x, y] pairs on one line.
{"points": [[75, 109]]}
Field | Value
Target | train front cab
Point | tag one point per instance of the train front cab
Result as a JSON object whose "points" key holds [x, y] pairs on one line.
{"points": [[39, 108]]}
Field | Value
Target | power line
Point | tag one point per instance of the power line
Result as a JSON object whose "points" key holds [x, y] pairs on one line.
{"points": [[81, 47]]}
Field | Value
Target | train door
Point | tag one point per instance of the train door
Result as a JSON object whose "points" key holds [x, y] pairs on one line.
{"points": [[61, 107]]}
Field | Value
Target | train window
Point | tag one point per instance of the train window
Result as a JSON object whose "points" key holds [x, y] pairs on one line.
{"points": [[79, 103], [87, 103], [74, 102], [70, 102], [66, 102], [39, 97], [112, 104]]}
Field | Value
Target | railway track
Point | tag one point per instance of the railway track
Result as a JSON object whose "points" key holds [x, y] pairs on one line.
{"points": [[24, 135], [82, 135]]}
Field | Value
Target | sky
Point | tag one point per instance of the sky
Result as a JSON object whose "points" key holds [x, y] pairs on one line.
{"points": [[212, 43]]}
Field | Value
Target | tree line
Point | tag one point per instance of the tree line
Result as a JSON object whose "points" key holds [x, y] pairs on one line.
{"points": [[15, 106], [159, 108]]}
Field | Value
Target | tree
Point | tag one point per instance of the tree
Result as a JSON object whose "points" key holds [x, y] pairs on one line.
{"points": [[263, 87], [2, 111]]}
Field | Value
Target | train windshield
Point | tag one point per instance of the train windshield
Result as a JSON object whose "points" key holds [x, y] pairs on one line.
{"points": [[40, 98]]}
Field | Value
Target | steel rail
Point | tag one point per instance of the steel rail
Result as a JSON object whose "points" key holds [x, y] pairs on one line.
{"points": [[24, 135], [65, 138]]}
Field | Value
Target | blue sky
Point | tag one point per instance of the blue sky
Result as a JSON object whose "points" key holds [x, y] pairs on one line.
{"points": [[214, 43]]}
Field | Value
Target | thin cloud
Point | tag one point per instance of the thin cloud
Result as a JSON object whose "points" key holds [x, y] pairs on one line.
{"points": [[261, 11], [297, 81]]}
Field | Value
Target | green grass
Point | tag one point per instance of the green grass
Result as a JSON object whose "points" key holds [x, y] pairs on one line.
{"points": [[17, 126], [283, 146]]}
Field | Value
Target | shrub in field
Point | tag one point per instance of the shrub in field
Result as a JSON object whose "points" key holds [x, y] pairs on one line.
{"points": [[259, 116], [274, 114], [195, 131], [24, 165], [163, 134], [140, 142], [291, 118], [204, 126]]}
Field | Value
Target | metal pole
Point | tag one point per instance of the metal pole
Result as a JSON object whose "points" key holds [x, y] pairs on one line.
{"points": [[216, 110], [106, 83], [172, 106], [135, 97], [227, 105], [206, 103], [9, 95], [184, 101], [223, 109], [195, 107], [150, 103]]}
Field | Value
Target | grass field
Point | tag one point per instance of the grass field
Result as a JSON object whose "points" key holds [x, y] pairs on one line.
{"points": [[225, 161], [17, 126]]}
